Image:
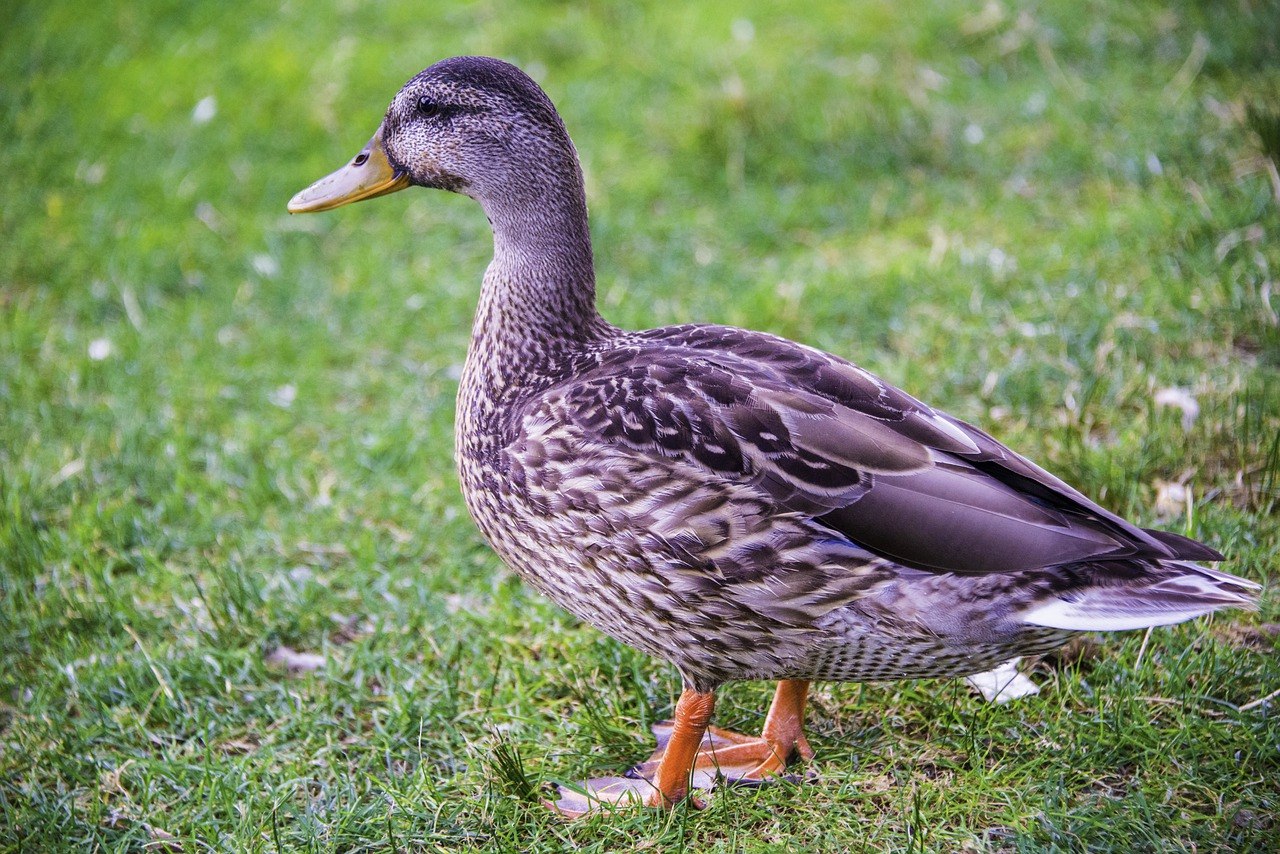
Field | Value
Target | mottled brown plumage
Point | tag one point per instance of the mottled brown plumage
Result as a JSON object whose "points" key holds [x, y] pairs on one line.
{"points": [[740, 505]]}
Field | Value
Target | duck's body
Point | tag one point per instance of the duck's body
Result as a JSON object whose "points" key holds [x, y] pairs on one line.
{"points": [[672, 488], [740, 505], [625, 518]]}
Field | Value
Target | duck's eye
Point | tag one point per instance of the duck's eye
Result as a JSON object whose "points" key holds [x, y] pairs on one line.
{"points": [[427, 107]]}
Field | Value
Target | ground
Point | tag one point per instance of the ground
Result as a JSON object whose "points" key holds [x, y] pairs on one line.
{"points": [[241, 604]]}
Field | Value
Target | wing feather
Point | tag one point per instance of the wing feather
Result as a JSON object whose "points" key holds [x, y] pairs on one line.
{"points": [[821, 438]]}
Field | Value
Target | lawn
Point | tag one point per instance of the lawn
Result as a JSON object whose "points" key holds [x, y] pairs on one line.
{"points": [[242, 607]]}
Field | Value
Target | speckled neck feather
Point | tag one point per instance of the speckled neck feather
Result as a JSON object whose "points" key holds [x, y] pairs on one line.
{"points": [[540, 286]]}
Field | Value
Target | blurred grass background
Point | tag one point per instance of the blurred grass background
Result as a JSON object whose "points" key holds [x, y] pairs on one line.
{"points": [[224, 431]]}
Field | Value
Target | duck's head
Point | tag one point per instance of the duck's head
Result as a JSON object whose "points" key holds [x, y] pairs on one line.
{"points": [[471, 125]]}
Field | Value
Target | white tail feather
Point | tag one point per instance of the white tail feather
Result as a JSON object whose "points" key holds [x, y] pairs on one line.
{"points": [[1184, 597], [1077, 617]]}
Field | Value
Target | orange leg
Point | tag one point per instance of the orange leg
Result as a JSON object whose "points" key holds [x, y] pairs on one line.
{"points": [[693, 714], [748, 759], [690, 752], [784, 725]]}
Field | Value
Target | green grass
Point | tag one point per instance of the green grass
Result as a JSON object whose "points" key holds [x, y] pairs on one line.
{"points": [[1034, 219]]}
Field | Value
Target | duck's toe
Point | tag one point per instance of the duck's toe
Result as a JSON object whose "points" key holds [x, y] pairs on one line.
{"points": [[600, 794], [606, 794]]}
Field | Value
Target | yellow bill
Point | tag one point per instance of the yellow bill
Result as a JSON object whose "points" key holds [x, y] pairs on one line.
{"points": [[368, 175]]}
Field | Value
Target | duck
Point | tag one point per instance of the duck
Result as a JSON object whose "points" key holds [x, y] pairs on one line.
{"points": [[739, 505]]}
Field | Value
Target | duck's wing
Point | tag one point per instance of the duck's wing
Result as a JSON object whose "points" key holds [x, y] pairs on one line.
{"points": [[820, 437]]}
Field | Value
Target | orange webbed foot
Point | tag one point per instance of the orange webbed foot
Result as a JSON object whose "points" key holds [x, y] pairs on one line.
{"points": [[693, 755]]}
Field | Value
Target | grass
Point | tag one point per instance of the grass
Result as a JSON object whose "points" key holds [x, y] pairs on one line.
{"points": [[224, 431]]}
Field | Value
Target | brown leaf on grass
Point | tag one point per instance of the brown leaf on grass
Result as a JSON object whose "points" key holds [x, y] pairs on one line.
{"points": [[1260, 637], [348, 629], [237, 746], [1113, 786], [877, 784], [294, 662], [159, 838], [1251, 820]]}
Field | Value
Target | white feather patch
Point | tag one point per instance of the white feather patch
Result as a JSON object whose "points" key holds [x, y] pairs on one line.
{"points": [[1079, 617], [1173, 600], [1003, 684]]}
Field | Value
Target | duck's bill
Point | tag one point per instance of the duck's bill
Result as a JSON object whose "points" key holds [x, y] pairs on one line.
{"points": [[368, 175]]}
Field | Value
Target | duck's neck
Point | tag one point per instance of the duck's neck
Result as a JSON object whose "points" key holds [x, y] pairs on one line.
{"points": [[538, 296]]}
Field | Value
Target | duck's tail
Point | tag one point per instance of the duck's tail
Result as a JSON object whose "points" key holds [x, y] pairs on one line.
{"points": [[1173, 592]]}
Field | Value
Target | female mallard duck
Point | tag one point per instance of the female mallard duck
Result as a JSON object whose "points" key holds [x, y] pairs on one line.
{"points": [[732, 502]]}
